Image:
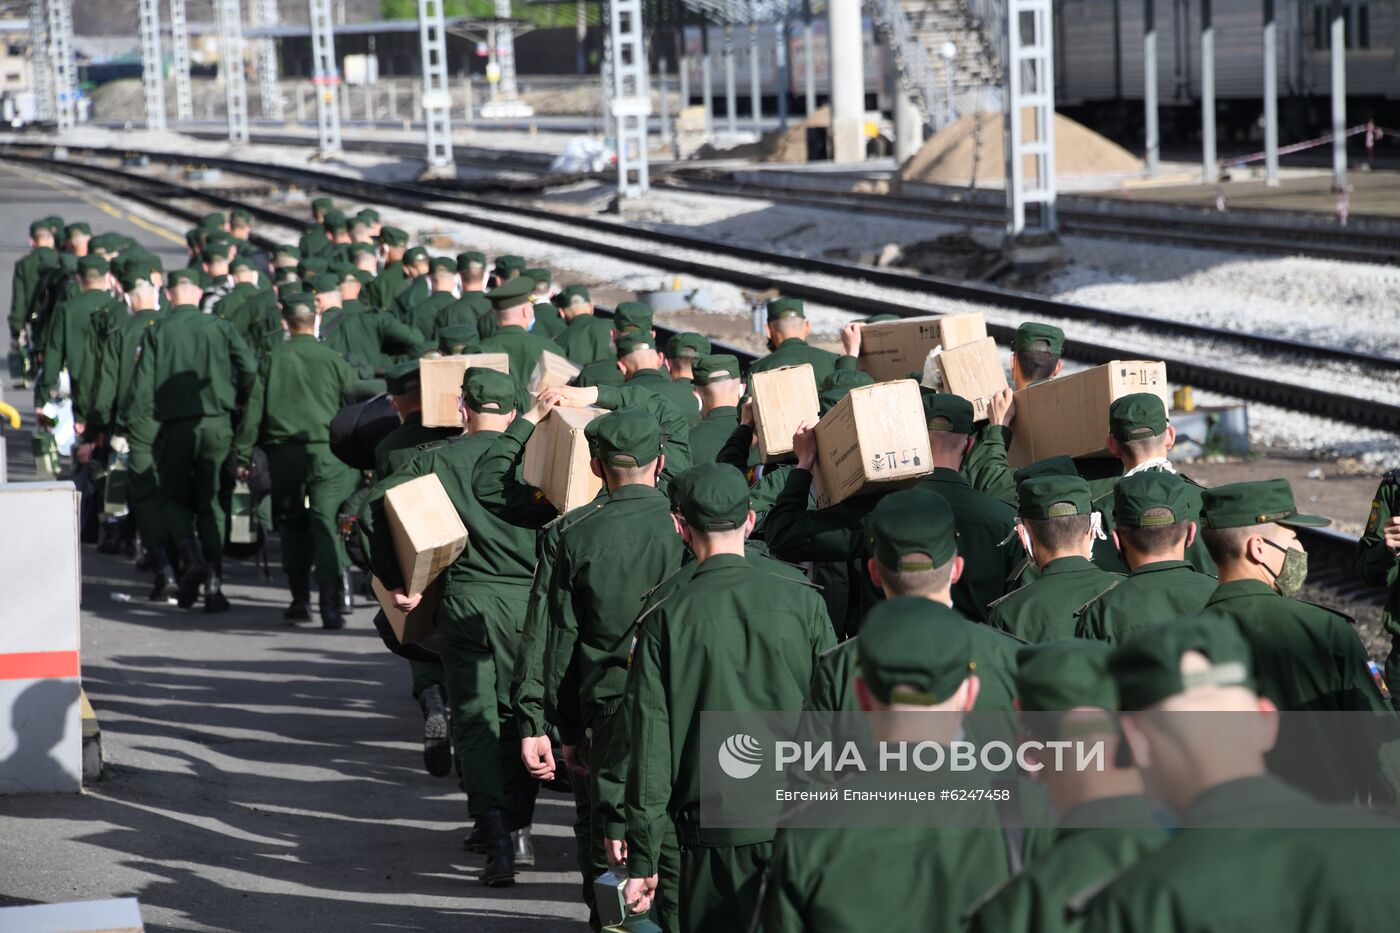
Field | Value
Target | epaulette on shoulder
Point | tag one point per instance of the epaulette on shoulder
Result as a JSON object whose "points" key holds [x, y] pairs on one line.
{"points": [[597, 507], [432, 445], [646, 594], [806, 583], [1077, 904], [1190, 481], [1349, 620], [1098, 596], [985, 898], [1002, 597], [836, 647]]}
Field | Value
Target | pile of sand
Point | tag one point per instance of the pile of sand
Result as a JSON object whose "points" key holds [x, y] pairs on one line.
{"points": [[790, 145], [971, 152]]}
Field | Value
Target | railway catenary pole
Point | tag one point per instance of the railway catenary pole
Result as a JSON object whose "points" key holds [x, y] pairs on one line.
{"points": [[784, 69], [505, 51], [1030, 89], [630, 96], [230, 17], [1152, 141], [180, 53], [809, 64], [755, 85], [682, 59], [1339, 96], [1270, 96], [269, 83], [1209, 171], [707, 76], [61, 63], [846, 73], [325, 75], [152, 63], [437, 95], [731, 93], [39, 59]]}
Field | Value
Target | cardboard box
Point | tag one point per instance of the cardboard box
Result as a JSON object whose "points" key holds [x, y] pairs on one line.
{"points": [[415, 626], [1069, 415], [551, 372], [782, 400], [894, 349], [441, 381], [973, 371], [556, 458], [425, 528], [874, 436]]}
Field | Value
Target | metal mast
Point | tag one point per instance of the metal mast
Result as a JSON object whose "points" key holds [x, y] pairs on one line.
{"points": [[152, 64], [230, 14], [269, 86], [631, 96], [437, 96], [1030, 93], [39, 59], [61, 63], [325, 76], [180, 42], [505, 51]]}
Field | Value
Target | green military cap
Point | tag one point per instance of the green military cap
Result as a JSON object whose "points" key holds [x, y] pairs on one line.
{"points": [[572, 295], [186, 276], [241, 263], [1059, 675], [363, 276], [442, 264], [215, 251], [93, 266], [322, 204], [402, 378], [510, 294], [134, 276], [912, 529], [367, 215], [54, 223], [286, 249], [676, 489], [342, 269], [837, 385], [470, 260], [687, 346], [125, 242], [1261, 502], [1040, 338], [36, 225], [1137, 416], [599, 373], [284, 275], [107, 242], [1147, 667], [194, 236], [459, 338], [945, 412], [1150, 491], [77, 227], [541, 277], [240, 215], [213, 220], [335, 220], [715, 498], [712, 368], [312, 265], [293, 300], [514, 265], [218, 238], [628, 437], [632, 315], [415, 254], [323, 282], [356, 249], [632, 342], [914, 651], [1060, 465], [785, 307], [393, 236], [1054, 497], [487, 391]]}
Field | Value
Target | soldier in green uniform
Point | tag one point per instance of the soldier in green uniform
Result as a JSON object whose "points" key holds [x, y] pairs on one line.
{"points": [[643, 366], [365, 258], [587, 338], [66, 346], [778, 627], [1305, 656], [788, 330], [510, 304], [366, 338], [1057, 530], [299, 392], [506, 268], [1154, 518], [320, 207], [478, 621], [425, 314], [252, 311], [417, 265], [219, 282], [915, 656], [716, 378], [1105, 820], [1378, 562], [1036, 354], [682, 350], [192, 370], [384, 291], [1251, 852], [472, 306], [26, 276]]}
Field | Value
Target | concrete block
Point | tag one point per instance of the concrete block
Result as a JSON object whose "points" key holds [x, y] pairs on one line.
{"points": [[122, 915]]}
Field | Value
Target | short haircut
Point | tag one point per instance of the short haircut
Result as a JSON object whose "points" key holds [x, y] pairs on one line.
{"points": [[629, 475], [1155, 539], [792, 324], [1226, 545], [1036, 365], [715, 390], [916, 582], [1144, 447], [1062, 533]]}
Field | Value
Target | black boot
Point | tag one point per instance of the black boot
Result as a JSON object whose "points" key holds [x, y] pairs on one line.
{"points": [[214, 598], [331, 597], [192, 574], [475, 841], [166, 581], [500, 852], [437, 747], [300, 608], [524, 848]]}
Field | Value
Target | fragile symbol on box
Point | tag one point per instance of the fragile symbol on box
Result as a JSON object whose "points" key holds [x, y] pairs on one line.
{"points": [[891, 460]]}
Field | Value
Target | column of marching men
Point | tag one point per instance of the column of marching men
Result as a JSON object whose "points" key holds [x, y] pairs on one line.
{"points": [[576, 651]]}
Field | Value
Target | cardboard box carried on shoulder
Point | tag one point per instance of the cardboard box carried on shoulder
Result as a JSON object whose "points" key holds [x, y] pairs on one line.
{"points": [[551, 372], [426, 530], [783, 399], [441, 382], [416, 626], [973, 371], [1069, 415], [894, 349], [556, 458], [874, 436]]}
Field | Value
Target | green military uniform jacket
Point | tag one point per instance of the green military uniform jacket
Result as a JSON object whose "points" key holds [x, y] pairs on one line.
{"points": [[708, 437], [253, 312], [368, 338], [587, 339], [1098, 840], [986, 467], [383, 292], [425, 315], [523, 347], [22, 284], [990, 551], [1043, 610], [401, 444], [1378, 566], [299, 391], [1196, 554], [1152, 594], [67, 346], [1232, 869], [675, 428], [659, 381], [110, 405], [795, 351], [416, 290], [548, 323], [469, 309], [760, 638], [184, 370]]}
